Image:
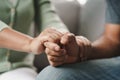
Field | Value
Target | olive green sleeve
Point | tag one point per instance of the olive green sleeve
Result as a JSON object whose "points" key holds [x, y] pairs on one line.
{"points": [[48, 17], [3, 25]]}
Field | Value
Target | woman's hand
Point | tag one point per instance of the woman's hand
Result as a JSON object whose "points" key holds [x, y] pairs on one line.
{"points": [[48, 35]]}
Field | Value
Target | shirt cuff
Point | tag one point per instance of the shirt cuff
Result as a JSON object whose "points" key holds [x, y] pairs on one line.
{"points": [[3, 25]]}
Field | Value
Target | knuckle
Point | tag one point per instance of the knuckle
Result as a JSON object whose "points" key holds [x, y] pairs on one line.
{"points": [[47, 51]]}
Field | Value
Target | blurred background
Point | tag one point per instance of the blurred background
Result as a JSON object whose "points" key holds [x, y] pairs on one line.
{"points": [[82, 17]]}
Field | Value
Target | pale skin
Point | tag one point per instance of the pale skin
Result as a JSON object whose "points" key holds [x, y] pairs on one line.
{"points": [[77, 48], [64, 48], [15, 40]]}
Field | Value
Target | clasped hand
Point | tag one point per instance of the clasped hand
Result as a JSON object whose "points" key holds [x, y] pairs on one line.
{"points": [[61, 48]]}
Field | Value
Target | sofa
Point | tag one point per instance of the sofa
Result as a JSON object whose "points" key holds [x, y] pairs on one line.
{"points": [[87, 20]]}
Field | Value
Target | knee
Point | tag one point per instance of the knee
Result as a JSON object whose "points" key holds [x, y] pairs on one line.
{"points": [[59, 73]]}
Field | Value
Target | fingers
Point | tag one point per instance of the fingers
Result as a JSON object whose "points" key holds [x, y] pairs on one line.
{"points": [[71, 46], [86, 41], [55, 63], [81, 45], [55, 53], [51, 35], [51, 30], [70, 50], [52, 46], [85, 45], [67, 38], [56, 58]]}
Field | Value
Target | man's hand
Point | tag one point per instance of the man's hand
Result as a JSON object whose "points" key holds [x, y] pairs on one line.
{"points": [[85, 47], [69, 52]]}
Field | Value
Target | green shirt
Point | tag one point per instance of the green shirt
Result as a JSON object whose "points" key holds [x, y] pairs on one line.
{"points": [[20, 17]]}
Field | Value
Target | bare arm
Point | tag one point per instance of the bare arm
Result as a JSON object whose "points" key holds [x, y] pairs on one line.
{"points": [[12, 39], [15, 40], [108, 45]]}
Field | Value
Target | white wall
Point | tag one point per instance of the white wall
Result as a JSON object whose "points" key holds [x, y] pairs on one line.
{"points": [[92, 19], [68, 11]]}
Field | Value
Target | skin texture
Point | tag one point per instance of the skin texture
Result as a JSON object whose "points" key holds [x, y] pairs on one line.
{"points": [[64, 48], [78, 48], [67, 53], [15, 40], [109, 44]]}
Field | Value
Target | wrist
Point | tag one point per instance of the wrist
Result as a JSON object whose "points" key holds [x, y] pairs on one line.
{"points": [[27, 45], [90, 52]]}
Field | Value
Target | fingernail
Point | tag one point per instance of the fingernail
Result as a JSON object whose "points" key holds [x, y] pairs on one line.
{"points": [[57, 48]]}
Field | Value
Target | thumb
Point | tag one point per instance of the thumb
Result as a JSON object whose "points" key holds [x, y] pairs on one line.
{"points": [[37, 46]]}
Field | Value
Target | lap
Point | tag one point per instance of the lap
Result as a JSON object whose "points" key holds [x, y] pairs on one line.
{"points": [[19, 74], [103, 69]]}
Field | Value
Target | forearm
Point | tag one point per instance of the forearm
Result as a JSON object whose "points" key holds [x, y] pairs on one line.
{"points": [[14, 40], [104, 48], [108, 45]]}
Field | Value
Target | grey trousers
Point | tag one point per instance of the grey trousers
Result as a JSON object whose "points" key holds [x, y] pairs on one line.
{"points": [[102, 69]]}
